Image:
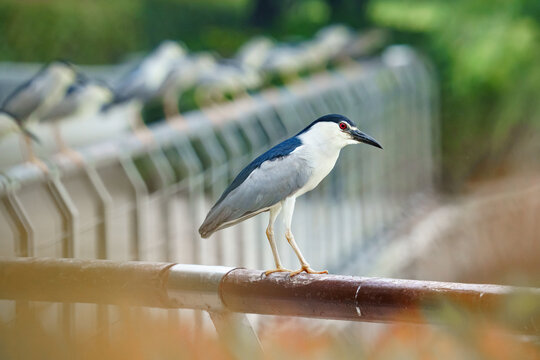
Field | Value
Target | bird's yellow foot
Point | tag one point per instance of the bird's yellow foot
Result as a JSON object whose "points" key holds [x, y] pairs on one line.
{"points": [[145, 135], [268, 272], [73, 155], [39, 164], [307, 269]]}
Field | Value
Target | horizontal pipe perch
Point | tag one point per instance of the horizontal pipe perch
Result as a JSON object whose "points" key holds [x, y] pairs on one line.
{"points": [[219, 288]]}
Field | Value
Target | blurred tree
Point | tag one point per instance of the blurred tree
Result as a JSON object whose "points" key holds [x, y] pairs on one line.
{"points": [[487, 56], [265, 13], [486, 52], [81, 31]]}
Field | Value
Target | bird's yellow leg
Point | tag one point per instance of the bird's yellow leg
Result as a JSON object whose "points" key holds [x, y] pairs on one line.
{"points": [[32, 158], [170, 108], [279, 267], [141, 131], [288, 208], [270, 235], [305, 266], [64, 148]]}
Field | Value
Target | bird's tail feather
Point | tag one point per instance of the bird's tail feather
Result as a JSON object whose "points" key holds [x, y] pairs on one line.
{"points": [[214, 223], [215, 218]]}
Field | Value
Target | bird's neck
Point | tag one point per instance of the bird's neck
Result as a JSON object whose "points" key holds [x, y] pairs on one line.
{"points": [[321, 154], [322, 142]]}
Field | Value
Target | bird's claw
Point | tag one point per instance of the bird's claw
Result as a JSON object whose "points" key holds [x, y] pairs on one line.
{"points": [[307, 269], [74, 156], [40, 165], [268, 272], [145, 136]]}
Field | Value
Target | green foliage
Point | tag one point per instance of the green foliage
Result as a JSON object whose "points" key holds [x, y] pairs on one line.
{"points": [[102, 31], [486, 51], [99, 30], [487, 54]]}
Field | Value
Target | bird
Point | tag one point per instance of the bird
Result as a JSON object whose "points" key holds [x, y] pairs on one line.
{"points": [[329, 44], [184, 75], [28, 102], [254, 53], [144, 82], [285, 61], [234, 78], [83, 98], [274, 180]]}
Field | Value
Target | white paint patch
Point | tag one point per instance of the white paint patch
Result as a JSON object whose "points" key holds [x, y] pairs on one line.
{"points": [[358, 311]]}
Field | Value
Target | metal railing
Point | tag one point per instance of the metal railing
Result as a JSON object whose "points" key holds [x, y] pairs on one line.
{"points": [[133, 201], [221, 289]]}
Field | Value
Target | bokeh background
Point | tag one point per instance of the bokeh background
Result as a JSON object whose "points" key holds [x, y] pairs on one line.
{"points": [[486, 54], [487, 200]]}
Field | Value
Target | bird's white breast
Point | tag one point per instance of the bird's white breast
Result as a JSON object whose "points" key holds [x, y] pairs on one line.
{"points": [[320, 147]]}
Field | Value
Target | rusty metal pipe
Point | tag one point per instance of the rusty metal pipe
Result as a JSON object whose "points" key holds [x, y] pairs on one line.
{"points": [[217, 288], [370, 299]]}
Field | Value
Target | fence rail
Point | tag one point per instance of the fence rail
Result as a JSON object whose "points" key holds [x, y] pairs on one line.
{"points": [[217, 289]]}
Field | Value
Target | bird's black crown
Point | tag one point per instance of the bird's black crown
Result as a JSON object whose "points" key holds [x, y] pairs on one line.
{"points": [[335, 118]]}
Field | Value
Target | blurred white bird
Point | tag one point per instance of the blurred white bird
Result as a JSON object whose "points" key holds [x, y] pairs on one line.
{"points": [[83, 98], [144, 82], [254, 53], [31, 100], [285, 61], [184, 74]]}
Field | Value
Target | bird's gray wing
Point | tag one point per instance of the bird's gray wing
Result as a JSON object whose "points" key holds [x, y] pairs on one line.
{"points": [[133, 84], [266, 186], [130, 87], [24, 101], [66, 107]]}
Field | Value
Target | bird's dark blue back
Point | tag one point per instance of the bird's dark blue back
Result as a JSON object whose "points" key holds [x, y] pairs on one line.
{"points": [[282, 149]]}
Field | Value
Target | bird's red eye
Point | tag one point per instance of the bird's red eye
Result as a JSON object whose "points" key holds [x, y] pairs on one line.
{"points": [[343, 125]]}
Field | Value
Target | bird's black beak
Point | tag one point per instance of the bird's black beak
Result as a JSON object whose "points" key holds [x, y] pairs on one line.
{"points": [[365, 138]]}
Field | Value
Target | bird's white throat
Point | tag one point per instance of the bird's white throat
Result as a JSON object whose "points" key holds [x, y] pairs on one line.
{"points": [[321, 145]]}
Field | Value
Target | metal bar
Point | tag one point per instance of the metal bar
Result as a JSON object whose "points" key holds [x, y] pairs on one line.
{"points": [[218, 288], [85, 281], [237, 335], [70, 220], [140, 202], [371, 299], [25, 245], [104, 233]]}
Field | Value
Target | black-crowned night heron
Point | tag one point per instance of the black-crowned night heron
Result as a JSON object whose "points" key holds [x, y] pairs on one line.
{"points": [[144, 82], [185, 73], [275, 179], [83, 98], [31, 100]]}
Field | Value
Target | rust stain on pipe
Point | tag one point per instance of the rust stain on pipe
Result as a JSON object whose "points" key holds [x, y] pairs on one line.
{"points": [[325, 296], [361, 299]]}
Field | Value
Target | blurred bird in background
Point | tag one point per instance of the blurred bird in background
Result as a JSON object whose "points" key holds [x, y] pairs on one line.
{"points": [[84, 97], [145, 82], [29, 102], [185, 73], [235, 78], [275, 179], [58, 94]]}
